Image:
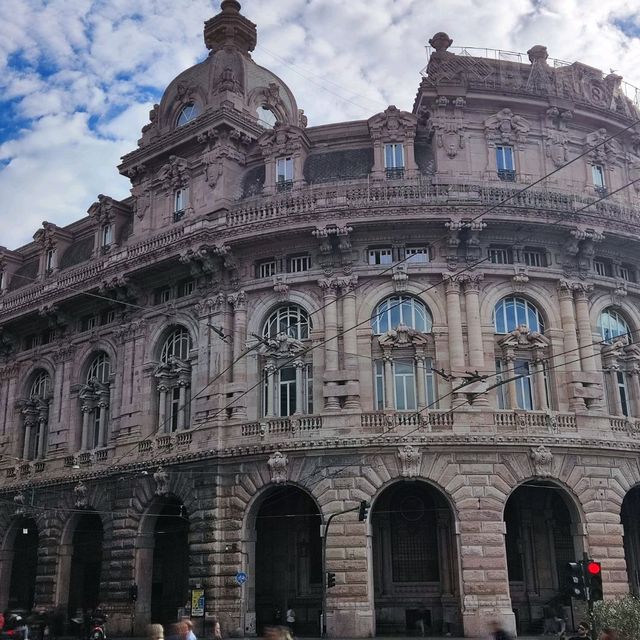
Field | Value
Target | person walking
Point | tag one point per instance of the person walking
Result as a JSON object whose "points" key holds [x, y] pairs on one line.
{"points": [[215, 625], [497, 632], [291, 620], [190, 633], [582, 632]]}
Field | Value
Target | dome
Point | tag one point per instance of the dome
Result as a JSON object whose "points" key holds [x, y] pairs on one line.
{"points": [[228, 76]]}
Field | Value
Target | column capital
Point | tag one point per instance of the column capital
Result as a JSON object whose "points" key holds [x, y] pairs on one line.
{"points": [[238, 301], [348, 284], [328, 286], [582, 291], [451, 284], [565, 289], [471, 281]]}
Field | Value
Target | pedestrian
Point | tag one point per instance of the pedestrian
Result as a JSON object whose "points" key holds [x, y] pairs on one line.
{"points": [[215, 625], [583, 631], [608, 634], [291, 620], [497, 632], [277, 632], [155, 632], [190, 634]]}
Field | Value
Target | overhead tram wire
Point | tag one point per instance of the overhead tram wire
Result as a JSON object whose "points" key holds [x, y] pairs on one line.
{"points": [[390, 268], [368, 320]]}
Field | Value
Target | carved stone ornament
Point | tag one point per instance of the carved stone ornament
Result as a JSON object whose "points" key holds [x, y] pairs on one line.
{"points": [[161, 478], [281, 287], [174, 174], [282, 346], [80, 495], [600, 149], [506, 127], [634, 173], [542, 460], [393, 125], [400, 278], [410, 461], [556, 149], [282, 140], [278, 464], [523, 338], [19, 500]]}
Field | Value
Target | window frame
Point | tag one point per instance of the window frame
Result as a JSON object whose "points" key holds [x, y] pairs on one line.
{"points": [[106, 235], [517, 302], [506, 162], [598, 178], [420, 251], [303, 326], [266, 268], [178, 336], [493, 253], [187, 114], [394, 159], [613, 316], [284, 169], [303, 260], [375, 256], [382, 316]]}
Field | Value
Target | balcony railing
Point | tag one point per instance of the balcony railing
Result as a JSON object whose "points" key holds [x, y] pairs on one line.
{"points": [[387, 421], [394, 173], [507, 175], [534, 421], [281, 426]]}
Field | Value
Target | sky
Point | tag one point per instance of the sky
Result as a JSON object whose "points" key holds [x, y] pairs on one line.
{"points": [[78, 77]]}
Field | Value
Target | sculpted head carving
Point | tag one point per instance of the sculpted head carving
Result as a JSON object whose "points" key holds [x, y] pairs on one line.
{"points": [[538, 53], [441, 42]]}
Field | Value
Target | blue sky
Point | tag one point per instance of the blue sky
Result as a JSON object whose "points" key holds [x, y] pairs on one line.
{"points": [[78, 77]]}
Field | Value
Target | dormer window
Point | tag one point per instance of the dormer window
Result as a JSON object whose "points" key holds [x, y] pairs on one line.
{"points": [[106, 235], [284, 174], [394, 160], [505, 163], [597, 171], [50, 260], [266, 117], [180, 198], [189, 112]]}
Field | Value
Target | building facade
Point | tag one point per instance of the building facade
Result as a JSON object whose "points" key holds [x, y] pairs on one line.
{"points": [[283, 321]]}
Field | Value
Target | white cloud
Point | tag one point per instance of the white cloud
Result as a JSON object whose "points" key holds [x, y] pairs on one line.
{"points": [[66, 62]]}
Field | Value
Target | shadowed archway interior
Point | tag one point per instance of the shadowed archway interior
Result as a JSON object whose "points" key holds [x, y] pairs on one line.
{"points": [[23, 569], [414, 562], [86, 564], [288, 560]]}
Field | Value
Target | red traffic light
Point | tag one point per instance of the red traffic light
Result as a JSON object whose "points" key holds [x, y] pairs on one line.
{"points": [[594, 568]]}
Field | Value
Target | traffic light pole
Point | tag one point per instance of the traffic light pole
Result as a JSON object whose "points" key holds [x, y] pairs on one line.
{"points": [[324, 532]]}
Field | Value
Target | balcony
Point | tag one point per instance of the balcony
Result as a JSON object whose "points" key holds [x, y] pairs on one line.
{"points": [[507, 175], [283, 186], [394, 173]]}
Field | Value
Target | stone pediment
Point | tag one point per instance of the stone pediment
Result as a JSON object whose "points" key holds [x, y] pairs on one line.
{"points": [[524, 338], [393, 124], [403, 336]]}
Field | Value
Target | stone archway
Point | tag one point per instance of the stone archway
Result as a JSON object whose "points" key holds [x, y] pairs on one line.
{"points": [[630, 517], [286, 545], [20, 555], [543, 534], [414, 562], [162, 562], [86, 564]]}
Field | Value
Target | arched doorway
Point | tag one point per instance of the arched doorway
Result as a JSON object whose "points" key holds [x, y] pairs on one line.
{"points": [[541, 538], [170, 572], [630, 517], [86, 564], [414, 562], [22, 585], [288, 557]]}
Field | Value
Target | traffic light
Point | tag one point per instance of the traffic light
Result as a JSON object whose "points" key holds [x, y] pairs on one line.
{"points": [[331, 579], [593, 577], [363, 510], [574, 586]]}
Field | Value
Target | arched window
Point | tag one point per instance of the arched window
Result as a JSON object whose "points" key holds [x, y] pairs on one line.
{"points": [[401, 310], [612, 325], [511, 312], [292, 320], [177, 345], [95, 401], [189, 112], [174, 382], [41, 385], [35, 412]]}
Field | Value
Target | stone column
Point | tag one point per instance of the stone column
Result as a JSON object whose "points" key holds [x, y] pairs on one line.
{"points": [[28, 426], [454, 322], [388, 382], [299, 365], [512, 390], [540, 386], [162, 409], [581, 293], [269, 372], [474, 325], [328, 286], [634, 391], [102, 423], [421, 382], [349, 341], [239, 368], [612, 389], [572, 364], [182, 405], [41, 438], [84, 439]]}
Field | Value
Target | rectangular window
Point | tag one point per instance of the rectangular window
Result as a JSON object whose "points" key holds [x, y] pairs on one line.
{"points": [[601, 268], [500, 256], [287, 391], [379, 384], [524, 390], [186, 288], [505, 163], [432, 397], [1, 280], [597, 171], [623, 392], [266, 269], [107, 235], [284, 174], [90, 323], [382, 255], [417, 254], [33, 341], [108, 317], [174, 407], [404, 382], [50, 260], [624, 273], [297, 264], [162, 295], [180, 203], [534, 258], [309, 388], [394, 160]]}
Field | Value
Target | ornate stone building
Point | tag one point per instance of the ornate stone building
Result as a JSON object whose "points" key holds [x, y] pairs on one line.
{"points": [[283, 321]]}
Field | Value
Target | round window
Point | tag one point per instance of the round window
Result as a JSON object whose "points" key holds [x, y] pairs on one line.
{"points": [[266, 117]]}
